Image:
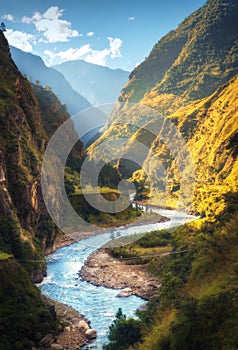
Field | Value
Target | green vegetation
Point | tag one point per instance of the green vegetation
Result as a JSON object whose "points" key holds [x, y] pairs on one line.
{"points": [[145, 250], [123, 332], [189, 76], [198, 300], [188, 63], [27, 120], [5, 256], [24, 316], [101, 218]]}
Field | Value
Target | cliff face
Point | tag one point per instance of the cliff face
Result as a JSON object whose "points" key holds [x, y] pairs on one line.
{"points": [[27, 120], [209, 128]]}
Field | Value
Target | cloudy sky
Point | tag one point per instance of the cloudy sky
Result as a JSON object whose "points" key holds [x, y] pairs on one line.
{"points": [[115, 34]]}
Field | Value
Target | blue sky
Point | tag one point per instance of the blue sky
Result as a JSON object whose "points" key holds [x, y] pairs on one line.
{"points": [[115, 34]]}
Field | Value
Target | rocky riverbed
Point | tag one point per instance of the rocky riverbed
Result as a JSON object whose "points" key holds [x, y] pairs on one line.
{"points": [[74, 329], [101, 269]]}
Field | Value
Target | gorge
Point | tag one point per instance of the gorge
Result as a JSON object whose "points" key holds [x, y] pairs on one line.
{"points": [[181, 106]]}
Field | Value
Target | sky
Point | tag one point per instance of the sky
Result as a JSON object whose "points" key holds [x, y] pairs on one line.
{"points": [[115, 34]]}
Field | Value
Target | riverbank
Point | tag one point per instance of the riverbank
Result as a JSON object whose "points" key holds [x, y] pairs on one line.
{"points": [[101, 269], [66, 240], [74, 329]]}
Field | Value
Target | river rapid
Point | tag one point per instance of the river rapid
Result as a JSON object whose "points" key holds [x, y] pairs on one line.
{"points": [[97, 304]]}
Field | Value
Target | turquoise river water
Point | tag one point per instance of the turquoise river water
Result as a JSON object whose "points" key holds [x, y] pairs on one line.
{"points": [[97, 304]]}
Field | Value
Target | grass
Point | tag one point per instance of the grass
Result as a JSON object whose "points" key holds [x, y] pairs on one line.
{"points": [[94, 190], [5, 256]]}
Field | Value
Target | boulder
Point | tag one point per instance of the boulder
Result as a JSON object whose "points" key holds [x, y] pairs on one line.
{"points": [[47, 340], [124, 293], [83, 324], [37, 276], [91, 333], [142, 308], [57, 346]]}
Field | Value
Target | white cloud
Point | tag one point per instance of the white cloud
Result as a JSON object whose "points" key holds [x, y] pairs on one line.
{"points": [[90, 34], [21, 40], [86, 53], [52, 57], [9, 17], [53, 28], [132, 18], [115, 45]]}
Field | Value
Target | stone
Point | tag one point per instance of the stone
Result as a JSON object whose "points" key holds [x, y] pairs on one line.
{"points": [[67, 328], [143, 308], [124, 293], [47, 340], [57, 346], [91, 333], [83, 324]]}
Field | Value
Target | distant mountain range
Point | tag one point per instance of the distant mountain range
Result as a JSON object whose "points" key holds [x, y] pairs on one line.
{"points": [[98, 84], [36, 71]]}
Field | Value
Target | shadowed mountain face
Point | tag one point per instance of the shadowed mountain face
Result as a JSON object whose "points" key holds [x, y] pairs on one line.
{"points": [[36, 71], [100, 85], [29, 115]]}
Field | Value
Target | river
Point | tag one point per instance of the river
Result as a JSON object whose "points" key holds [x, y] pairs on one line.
{"points": [[98, 304]]}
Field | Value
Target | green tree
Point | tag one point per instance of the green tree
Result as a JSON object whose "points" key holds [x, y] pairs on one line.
{"points": [[123, 332]]}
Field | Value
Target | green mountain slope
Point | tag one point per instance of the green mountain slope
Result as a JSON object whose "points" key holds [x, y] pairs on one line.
{"points": [[210, 128], [190, 62], [27, 120], [197, 60], [190, 76]]}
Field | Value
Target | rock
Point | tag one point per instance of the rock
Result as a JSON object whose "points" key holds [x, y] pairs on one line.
{"points": [[83, 324], [56, 346], [91, 333], [37, 276], [124, 293], [67, 328], [47, 340], [142, 308]]}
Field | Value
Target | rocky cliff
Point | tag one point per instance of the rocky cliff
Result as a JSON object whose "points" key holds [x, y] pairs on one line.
{"points": [[28, 117]]}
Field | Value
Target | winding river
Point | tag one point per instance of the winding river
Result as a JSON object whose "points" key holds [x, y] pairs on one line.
{"points": [[98, 304]]}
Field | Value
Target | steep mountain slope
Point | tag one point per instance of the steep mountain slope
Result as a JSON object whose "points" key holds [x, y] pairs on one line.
{"points": [[210, 128], [35, 70], [196, 88], [98, 84], [26, 229], [188, 64]]}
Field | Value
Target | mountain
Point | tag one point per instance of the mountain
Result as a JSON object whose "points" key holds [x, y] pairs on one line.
{"points": [[35, 69], [28, 119], [98, 84], [190, 62], [185, 87], [178, 122]]}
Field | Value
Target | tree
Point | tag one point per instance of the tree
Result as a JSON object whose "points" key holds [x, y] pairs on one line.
{"points": [[123, 332], [3, 27]]}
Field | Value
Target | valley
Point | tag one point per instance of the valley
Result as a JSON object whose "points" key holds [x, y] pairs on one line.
{"points": [[131, 225]]}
